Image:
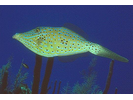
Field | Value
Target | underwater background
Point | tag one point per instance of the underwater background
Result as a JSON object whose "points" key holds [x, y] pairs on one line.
{"points": [[109, 26]]}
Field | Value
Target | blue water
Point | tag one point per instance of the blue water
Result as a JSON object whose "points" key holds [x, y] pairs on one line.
{"points": [[110, 26]]}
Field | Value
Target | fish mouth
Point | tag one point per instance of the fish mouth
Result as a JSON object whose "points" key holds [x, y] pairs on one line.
{"points": [[16, 36]]}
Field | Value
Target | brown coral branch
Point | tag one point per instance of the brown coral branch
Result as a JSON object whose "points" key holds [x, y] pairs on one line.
{"points": [[4, 81], [116, 90], [37, 70], [54, 86], [109, 77], [47, 75], [59, 88]]}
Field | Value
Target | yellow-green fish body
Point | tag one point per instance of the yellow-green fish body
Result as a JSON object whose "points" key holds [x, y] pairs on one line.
{"points": [[61, 41]]}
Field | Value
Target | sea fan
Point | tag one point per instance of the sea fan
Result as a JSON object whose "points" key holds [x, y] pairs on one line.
{"points": [[89, 85]]}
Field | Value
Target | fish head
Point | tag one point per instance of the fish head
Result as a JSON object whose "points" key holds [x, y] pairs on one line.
{"points": [[27, 34], [31, 39]]}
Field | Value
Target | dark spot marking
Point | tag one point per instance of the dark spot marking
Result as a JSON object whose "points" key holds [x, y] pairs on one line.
{"points": [[86, 44]]}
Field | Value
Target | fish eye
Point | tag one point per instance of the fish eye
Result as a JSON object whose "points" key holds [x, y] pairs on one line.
{"points": [[37, 30]]}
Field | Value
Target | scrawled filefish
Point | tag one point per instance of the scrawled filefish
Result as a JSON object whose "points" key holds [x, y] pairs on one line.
{"points": [[61, 41]]}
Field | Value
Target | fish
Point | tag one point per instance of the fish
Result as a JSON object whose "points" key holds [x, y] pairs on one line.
{"points": [[62, 41], [25, 65]]}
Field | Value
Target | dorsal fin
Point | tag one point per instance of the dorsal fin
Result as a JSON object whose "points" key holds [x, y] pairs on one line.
{"points": [[76, 29]]}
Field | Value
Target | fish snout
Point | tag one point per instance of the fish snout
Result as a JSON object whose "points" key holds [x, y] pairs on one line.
{"points": [[16, 36]]}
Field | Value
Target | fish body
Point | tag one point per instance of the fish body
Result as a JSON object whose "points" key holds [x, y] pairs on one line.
{"points": [[61, 41]]}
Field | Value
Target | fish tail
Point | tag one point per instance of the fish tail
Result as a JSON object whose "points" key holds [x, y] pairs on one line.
{"points": [[99, 50]]}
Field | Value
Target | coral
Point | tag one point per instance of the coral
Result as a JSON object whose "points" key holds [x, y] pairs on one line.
{"points": [[59, 87], [4, 76], [109, 77], [88, 86], [4, 82], [20, 78], [66, 89], [37, 71], [46, 78], [5, 69], [18, 86]]}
